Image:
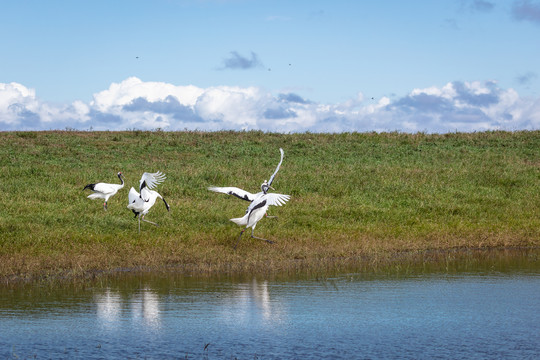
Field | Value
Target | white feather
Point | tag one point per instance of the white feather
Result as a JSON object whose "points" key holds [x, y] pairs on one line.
{"points": [[151, 179], [246, 195], [231, 190], [256, 210], [140, 205], [104, 190]]}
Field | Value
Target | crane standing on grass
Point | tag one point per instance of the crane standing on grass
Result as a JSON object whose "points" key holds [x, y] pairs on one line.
{"points": [[141, 202], [104, 190]]}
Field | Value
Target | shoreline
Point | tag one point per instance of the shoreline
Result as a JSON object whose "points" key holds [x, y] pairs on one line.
{"points": [[399, 261]]}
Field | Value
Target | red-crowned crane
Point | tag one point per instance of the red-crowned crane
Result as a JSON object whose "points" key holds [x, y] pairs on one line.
{"points": [[259, 202], [141, 202], [104, 190], [257, 210], [245, 195]]}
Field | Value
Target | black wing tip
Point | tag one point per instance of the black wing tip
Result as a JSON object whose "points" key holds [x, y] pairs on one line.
{"points": [[245, 197]]}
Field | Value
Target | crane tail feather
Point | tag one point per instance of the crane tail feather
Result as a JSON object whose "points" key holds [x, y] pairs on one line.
{"points": [[241, 221]]}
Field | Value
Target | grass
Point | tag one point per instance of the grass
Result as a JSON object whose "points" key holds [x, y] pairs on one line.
{"points": [[353, 195]]}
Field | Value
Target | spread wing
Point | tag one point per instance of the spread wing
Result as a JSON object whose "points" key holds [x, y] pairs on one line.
{"points": [[277, 199], [277, 168], [151, 180], [268, 199], [230, 190]]}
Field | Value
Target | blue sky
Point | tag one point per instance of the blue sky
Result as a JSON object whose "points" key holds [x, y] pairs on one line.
{"points": [[289, 66]]}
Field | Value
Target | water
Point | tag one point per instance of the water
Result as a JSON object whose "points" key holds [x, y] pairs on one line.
{"points": [[491, 312]]}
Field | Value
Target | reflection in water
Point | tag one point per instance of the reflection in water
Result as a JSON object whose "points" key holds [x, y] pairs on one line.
{"points": [[143, 308], [250, 302], [108, 308], [487, 312], [243, 304]]}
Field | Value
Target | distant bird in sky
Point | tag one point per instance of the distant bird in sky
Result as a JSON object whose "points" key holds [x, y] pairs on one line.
{"points": [[104, 190], [245, 195], [256, 211], [141, 202]]}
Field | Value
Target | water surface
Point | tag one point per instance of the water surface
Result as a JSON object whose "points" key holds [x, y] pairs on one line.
{"points": [[491, 311]]}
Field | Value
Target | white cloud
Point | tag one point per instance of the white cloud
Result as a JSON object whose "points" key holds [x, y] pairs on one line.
{"points": [[123, 93], [232, 105], [135, 104]]}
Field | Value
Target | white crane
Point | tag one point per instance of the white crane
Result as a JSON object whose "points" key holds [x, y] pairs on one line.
{"points": [[257, 210], [259, 202], [104, 190], [141, 202], [245, 195]]}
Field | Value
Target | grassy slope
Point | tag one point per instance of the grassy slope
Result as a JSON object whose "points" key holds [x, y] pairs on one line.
{"points": [[352, 195]]}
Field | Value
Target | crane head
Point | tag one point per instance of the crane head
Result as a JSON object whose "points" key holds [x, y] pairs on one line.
{"points": [[265, 187]]}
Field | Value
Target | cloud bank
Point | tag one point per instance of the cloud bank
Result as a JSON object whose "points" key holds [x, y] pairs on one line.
{"points": [[135, 104]]}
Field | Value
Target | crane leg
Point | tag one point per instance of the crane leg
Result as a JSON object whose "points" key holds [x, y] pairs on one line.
{"points": [[237, 241], [148, 221], [258, 238], [141, 218], [105, 206]]}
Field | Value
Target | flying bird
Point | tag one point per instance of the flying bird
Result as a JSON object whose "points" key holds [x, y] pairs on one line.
{"points": [[141, 202], [257, 210], [245, 195], [104, 190]]}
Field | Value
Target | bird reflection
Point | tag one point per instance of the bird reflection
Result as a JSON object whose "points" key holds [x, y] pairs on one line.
{"points": [[109, 306], [143, 308], [252, 302]]}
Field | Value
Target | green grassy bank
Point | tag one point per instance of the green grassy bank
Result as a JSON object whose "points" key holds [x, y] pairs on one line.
{"points": [[353, 196]]}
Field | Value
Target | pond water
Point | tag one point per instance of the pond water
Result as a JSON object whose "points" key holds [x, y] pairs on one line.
{"points": [[491, 311]]}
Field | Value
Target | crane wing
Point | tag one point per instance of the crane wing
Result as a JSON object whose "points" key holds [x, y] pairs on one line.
{"points": [[132, 197], [151, 180], [230, 190], [268, 199], [277, 199], [104, 188], [277, 168]]}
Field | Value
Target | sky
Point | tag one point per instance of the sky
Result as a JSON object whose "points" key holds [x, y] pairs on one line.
{"points": [[432, 66]]}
